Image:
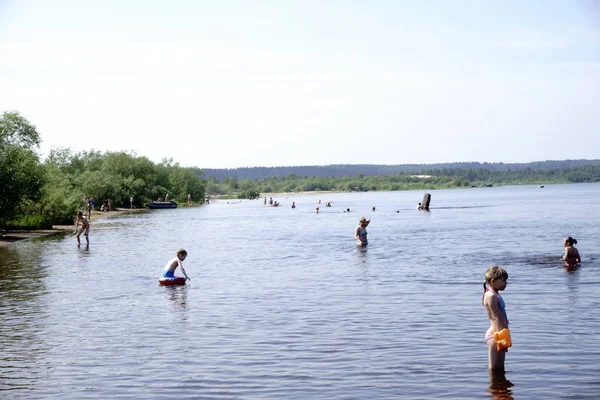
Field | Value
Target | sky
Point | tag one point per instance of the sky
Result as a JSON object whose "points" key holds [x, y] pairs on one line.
{"points": [[238, 83]]}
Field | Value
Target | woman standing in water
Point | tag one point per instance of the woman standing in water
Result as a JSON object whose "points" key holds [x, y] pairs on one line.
{"points": [[361, 232], [571, 257]]}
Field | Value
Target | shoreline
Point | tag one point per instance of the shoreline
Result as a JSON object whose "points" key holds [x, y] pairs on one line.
{"points": [[16, 236], [274, 194]]}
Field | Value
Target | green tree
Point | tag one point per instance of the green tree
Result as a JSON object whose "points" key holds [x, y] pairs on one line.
{"points": [[21, 174], [61, 197], [18, 131]]}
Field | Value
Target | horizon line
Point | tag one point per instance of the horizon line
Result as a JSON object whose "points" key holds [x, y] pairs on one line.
{"points": [[397, 165]]}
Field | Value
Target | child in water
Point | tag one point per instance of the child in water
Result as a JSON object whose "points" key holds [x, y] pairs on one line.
{"points": [[169, 270], [571, 257], [495, 308], [85, 227]]}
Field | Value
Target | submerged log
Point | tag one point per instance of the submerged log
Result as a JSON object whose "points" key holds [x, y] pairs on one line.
{"points": [[426, 201]]}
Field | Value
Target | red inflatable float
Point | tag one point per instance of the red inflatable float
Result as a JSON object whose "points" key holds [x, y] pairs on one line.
{"points": [[172, 281]]}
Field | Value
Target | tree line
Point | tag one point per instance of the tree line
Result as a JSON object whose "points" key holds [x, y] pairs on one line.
{"points": [[37, 195], [350, 170], [428, 179]]}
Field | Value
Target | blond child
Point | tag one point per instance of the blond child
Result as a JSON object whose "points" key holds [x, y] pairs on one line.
{"points": [[173, 264]]}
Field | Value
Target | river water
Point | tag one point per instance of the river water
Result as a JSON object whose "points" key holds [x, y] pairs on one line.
{"points": [[283, 305]]}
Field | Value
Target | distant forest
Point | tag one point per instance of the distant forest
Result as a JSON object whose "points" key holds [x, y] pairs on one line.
{"points": [[348, 170], [254, 182]]}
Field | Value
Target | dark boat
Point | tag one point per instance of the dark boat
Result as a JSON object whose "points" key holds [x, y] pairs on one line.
{"points": [[162, 204]]}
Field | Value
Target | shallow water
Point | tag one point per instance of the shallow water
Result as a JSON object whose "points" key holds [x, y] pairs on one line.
{"points": [[282, 304]]}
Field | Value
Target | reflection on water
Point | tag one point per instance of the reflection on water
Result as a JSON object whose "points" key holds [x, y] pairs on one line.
{"points": [[283, 303], [177, 296], [362, 252], [500, 387], [21, 312]]}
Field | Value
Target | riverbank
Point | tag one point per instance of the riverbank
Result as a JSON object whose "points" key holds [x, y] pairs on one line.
{"points": [[15, 236], [275, 194]]}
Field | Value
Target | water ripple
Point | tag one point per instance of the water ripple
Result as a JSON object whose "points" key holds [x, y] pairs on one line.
{"points": [[282, 304]]}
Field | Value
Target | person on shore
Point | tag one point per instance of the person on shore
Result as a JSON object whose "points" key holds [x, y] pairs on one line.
{"points": [[361, 232], [293, 204], [89, 209], [131, 202], [174, 263], [495, 308], [571, 256], [189, 199], [109, 204], [85, 228]]}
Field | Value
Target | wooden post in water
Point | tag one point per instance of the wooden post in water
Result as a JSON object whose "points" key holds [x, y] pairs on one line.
{"points": [[425, 202]]}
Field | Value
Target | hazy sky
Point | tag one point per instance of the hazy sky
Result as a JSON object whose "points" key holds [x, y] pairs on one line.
{"points": [[225, 84]]}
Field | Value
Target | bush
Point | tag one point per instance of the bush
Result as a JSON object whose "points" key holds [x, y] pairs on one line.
{"points": [[28, 222], [248, 194]]}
